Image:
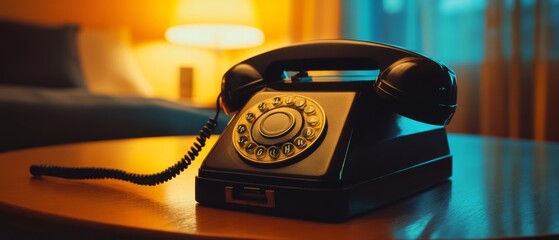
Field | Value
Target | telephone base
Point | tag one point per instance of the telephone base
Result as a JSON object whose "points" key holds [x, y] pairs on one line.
{"points": [[323, 204]]}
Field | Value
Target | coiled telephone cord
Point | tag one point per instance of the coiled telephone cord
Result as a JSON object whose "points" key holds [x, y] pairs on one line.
{"points": [[140, 179]]}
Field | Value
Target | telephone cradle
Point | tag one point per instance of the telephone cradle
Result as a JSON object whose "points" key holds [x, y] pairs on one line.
{"points": [[369, 157]]}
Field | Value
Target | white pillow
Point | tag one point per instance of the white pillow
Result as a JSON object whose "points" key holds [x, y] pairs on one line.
{"points": [[108, 63]]}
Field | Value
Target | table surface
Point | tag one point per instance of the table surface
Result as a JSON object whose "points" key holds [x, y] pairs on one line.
{"points": [[499, 188]]}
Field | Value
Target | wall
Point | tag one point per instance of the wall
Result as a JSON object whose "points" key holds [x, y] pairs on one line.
{"points": [[146, 19]]}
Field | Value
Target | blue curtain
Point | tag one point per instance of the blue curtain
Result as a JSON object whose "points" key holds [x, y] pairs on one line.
{"points": [[451, 30], [505, 54]]}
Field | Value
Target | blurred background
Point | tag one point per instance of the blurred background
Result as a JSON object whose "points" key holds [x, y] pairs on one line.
{"points": [[505, 53]]}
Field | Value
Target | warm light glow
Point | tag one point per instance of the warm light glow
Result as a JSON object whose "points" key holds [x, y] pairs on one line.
{"points": [[216, 24], [215, 36], [161, 62], [239, 12]]}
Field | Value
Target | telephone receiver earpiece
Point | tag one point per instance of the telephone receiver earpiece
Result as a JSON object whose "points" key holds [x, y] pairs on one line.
{"points": [[412, 84], [238, 85], [420, 89]]}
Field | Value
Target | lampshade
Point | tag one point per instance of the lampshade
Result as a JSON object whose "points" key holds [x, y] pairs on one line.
{"points": [[217, 24]]}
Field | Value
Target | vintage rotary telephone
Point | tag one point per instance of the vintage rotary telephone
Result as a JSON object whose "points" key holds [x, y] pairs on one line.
{"points": [[322, 150]]}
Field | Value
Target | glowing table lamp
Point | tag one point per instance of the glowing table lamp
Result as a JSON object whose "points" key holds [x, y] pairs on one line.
{"points": [[218, 25]]}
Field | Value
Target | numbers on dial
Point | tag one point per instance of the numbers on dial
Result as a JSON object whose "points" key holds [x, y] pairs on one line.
{"points": [[278, 129]]}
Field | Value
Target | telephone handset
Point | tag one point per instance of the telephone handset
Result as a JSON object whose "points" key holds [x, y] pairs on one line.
{"points": [[415, 85], [322, 150]]}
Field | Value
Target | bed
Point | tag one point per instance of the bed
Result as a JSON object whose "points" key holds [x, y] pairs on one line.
{"points": [[45, 98]]}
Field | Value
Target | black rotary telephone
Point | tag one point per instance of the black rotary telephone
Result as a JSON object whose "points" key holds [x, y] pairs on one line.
{"points": [[322, 150]]}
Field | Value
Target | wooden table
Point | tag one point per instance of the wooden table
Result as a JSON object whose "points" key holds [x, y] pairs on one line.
{"points": [[500, 188]]}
